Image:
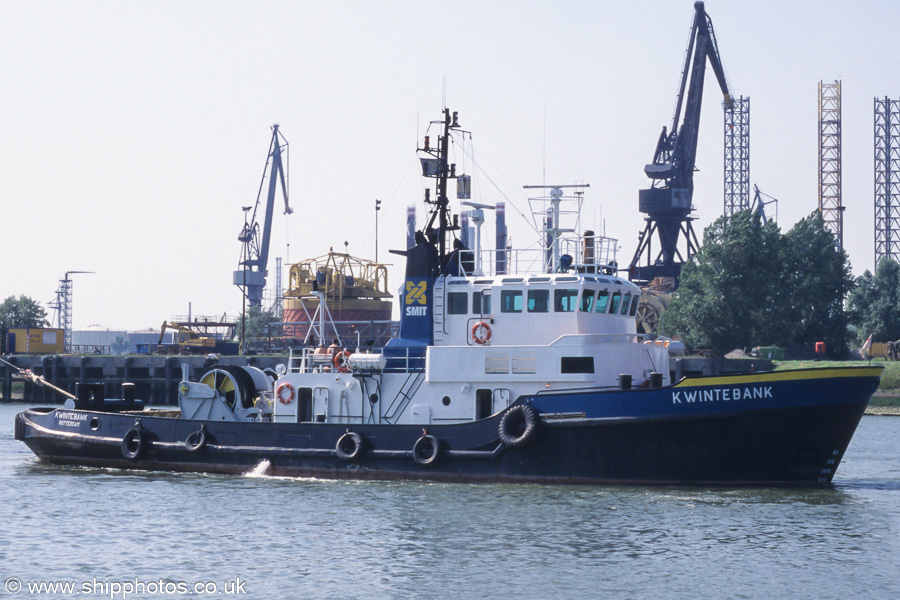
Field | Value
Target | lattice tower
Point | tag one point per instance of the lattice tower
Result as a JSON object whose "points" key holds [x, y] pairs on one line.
{"points": [[64, 308], [737, 156], [277, 308], [830, 159], [887, 179]]}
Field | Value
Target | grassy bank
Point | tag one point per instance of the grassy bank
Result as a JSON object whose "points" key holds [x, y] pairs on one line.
{"points": [[888, 393]]}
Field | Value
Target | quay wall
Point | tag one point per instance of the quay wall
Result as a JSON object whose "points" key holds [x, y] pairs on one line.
{"points": [[155, 378]]}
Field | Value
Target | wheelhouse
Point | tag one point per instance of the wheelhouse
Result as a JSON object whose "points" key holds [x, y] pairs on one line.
{"points": [[533, 309]]}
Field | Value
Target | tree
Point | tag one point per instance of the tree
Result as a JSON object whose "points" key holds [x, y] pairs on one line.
{"points": [[256, 323], [818, 279], [121, 346], [874, 305], [22, 312], [725, 297], [750, 285]]}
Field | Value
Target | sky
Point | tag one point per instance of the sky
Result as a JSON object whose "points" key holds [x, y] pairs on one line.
{"points": [[132, 133]]}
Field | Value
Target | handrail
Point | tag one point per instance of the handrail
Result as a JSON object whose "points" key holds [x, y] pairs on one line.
{"points": [[314, 360], [595, 254]]}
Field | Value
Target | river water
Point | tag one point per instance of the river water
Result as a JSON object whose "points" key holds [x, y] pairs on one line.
{"points": [[120, 534]]}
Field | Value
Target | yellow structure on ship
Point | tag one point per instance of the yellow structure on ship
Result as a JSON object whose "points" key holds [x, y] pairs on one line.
{"points": [[355, 291]]}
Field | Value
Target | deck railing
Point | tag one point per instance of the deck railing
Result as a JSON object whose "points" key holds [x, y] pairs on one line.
{"points": [[588, 255]]}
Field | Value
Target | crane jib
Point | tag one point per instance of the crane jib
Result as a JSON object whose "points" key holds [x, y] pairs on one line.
{"points": [[251, 276]]}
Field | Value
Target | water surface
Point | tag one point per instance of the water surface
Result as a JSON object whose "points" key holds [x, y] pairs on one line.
{"points": [[303, 538]]}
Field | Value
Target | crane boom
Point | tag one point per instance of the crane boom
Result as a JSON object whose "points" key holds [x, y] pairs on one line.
{"points": [[276, 175], [255, 244], [676, 152]]}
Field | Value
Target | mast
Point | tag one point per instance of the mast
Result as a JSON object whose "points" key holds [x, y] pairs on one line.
{"points": [[439, 222], [427, 260]]}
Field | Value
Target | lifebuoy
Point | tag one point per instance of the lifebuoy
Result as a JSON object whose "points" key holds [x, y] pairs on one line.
{"points": [[133, 443], [481, 332], [426, 450], [342, 362], [285, 393], [519, 426], [196, 440], [349, 446]]}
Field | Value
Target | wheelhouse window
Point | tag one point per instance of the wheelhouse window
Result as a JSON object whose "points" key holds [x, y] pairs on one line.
{"points": [[634, 305], [626, 302], [539, 301], [457, 303], [511, 301], [565, 300], [602, 301], [616, 298], [587, 300]]}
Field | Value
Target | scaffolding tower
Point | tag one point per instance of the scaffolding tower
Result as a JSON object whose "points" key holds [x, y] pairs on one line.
{"points": [[737, 156], [887, 179], [830, 159], [278, 306], [273, 295]]}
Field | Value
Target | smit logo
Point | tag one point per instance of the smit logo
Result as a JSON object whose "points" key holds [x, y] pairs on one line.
{"points": [[415, 292]]}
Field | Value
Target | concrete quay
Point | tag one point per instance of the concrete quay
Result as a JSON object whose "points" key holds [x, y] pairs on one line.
{"points": [[155, 377]]}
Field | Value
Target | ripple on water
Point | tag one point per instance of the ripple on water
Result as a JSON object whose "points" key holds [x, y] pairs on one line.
{"points": [[300, 537]]}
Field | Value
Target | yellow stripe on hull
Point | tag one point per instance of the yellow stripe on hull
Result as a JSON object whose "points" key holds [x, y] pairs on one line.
{"points": [[793, 375]]}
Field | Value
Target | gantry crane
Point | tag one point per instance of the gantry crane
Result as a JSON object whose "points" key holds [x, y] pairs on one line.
{"points": [[251, 276], [667, 203]]}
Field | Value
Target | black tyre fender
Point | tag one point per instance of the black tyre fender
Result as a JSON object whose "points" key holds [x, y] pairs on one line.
{"points": [[426, 450], [519, 426], [134, 442], [196, 440], [349, 446]]}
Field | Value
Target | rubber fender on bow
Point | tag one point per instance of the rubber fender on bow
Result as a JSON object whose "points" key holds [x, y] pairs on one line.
{"points": [[519, 426]]}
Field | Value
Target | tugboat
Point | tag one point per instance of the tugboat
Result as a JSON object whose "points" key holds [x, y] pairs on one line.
{"points": [[516, 368]]}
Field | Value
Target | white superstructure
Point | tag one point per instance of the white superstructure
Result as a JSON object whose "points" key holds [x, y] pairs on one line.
{"points": [[496, 337]]}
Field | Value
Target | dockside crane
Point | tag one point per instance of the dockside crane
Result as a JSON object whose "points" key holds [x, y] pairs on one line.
{"points": [[667, 203], [251, 275]]}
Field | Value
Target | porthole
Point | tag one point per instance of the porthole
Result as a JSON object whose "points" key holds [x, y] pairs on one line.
{"points": [[446, 400], [95, 424]]}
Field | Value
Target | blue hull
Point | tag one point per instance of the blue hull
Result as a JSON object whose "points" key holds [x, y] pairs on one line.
{"points": [[780, 428]]}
